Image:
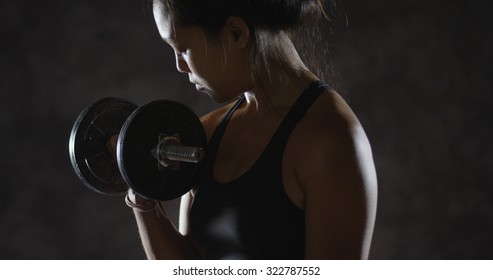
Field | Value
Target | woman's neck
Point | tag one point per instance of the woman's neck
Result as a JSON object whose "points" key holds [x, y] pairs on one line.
{"points": [[281, 80]]}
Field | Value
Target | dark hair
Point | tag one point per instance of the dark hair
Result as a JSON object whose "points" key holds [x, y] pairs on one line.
{"points": [[272, 15], [268, 20]]}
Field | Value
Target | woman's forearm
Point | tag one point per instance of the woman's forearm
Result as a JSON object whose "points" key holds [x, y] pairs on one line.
{"points": [[161, 239]]}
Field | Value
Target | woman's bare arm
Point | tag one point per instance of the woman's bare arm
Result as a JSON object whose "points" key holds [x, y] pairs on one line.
{"points": [[339, 181], [160, 238]]}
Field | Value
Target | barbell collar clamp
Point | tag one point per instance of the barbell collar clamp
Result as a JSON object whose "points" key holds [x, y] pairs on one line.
{"points": [[169, 152]]}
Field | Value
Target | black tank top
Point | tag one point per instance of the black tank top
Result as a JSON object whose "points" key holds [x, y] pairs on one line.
{"points": [[252, 217]]}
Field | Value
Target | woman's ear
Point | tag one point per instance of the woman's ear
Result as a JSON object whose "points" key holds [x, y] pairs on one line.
{"points": [[238, 29]]}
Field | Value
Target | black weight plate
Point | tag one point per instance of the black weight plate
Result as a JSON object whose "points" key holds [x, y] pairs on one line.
{"points": [[140, 135], [90, 158]]}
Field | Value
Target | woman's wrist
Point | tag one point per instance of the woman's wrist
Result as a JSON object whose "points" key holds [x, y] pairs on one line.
{"points": [[144, 205], [140, 204]]}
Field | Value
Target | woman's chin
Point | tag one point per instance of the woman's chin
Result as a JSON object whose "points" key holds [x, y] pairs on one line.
{"points": [[213, 95]]}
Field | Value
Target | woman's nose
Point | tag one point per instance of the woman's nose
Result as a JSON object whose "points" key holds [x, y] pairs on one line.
{"points": [[181, 64]]}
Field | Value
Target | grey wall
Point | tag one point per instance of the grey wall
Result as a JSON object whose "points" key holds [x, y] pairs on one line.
{"points": [[417, 73]]}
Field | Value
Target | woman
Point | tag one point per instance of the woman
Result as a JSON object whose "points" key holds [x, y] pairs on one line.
{"points": [[289, 172]]}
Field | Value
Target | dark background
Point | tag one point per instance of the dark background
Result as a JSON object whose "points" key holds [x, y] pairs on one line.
{"points": [[417, 73]]}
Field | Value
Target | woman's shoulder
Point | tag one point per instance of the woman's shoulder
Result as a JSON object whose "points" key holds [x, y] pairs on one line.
{"points": [[330, 125], [330, 113], [332, 145]]}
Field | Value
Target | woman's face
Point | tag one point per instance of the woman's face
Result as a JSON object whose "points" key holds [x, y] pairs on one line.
{"points": [[215, 66]]}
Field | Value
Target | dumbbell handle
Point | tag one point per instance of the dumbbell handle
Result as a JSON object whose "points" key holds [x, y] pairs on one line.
{"points": [[183, 153], [167, 152]]}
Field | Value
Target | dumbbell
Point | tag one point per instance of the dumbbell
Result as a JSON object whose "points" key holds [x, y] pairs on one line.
{"points": [[158, 152]]}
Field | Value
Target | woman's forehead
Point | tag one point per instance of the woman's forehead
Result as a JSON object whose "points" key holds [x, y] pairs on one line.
{"points": [[164, 22]]}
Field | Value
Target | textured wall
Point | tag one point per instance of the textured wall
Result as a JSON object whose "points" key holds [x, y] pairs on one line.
{"points": [[417, 73]]}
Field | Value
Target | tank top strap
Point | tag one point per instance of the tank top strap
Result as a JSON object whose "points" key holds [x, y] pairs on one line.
{"points": [[217, 135], [295, 114], [281, 136]]}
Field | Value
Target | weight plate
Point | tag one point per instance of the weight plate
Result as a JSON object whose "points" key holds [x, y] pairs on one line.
{"points": [[141, 133], [90, 158]]}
